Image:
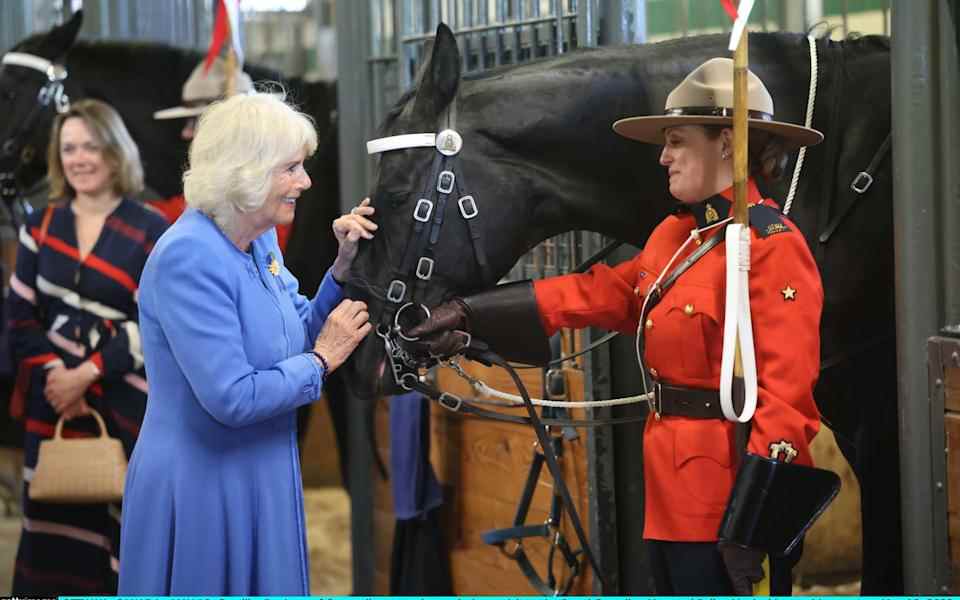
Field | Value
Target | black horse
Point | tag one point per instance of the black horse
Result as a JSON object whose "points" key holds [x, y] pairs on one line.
{"points": [[138, 79], [540, 158]]}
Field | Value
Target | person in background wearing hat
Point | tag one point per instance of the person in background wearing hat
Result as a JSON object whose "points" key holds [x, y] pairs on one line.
{"points": [[690, 451], [202, 88]]}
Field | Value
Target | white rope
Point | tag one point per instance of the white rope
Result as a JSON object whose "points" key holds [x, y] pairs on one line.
{"points": [[737, 324], [515, 400], [808, 122]]}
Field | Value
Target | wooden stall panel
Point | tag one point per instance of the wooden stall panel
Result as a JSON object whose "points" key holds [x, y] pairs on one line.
{"points": [[483, 466]]}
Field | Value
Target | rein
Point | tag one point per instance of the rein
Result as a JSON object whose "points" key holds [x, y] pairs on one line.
{"points": [[51, 92]]}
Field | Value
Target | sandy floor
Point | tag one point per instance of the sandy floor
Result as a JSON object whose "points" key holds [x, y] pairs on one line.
{"points": [[328, 535]]}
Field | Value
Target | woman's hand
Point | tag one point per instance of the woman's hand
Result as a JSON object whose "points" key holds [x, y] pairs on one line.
{"points": [[349, 229], [65, 389], [346, 326]]}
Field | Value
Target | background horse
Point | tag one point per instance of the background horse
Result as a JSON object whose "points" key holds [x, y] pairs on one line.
{"points": [[140, 78], [541, 158]]}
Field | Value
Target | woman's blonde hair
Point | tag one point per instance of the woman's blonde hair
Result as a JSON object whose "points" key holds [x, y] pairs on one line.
{"points": [[119, 150], [238, 143]]}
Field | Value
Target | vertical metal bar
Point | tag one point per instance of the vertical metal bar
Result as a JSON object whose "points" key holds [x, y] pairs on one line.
{"points": [[917, 309], [949, 151], [558, 19], [353, 54], [623, 22], [845, 13], [885, 11], [792, 16]]}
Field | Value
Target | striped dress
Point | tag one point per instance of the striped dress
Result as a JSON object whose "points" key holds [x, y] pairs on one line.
{"points": [[62, 309]]}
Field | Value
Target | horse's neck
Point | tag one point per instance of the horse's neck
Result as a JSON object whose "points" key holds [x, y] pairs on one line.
{"points": [[556, 118]]}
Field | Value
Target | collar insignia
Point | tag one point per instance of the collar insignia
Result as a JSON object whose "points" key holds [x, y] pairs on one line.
{"points": [[273, 265], [710, 214], [789, 293]]}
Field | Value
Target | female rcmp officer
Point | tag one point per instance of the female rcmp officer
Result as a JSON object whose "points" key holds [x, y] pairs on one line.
{"points": [[690, 453]]}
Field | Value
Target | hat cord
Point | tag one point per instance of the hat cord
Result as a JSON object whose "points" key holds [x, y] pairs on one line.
{"points": [[807, 123]]}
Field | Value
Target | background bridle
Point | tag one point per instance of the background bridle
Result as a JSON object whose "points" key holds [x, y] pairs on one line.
{"points": [[49, 94]]}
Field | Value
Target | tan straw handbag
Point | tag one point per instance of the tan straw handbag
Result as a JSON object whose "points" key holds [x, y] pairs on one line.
{"points": [[79, 471]]}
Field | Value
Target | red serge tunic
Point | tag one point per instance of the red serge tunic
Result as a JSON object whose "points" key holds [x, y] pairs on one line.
{"points": [[688, 470]]}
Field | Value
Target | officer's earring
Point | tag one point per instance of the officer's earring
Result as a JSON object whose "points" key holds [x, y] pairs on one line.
{"points": [[724, 155]]}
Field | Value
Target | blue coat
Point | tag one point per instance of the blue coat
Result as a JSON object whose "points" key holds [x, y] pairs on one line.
{"points": [[213, 503]]}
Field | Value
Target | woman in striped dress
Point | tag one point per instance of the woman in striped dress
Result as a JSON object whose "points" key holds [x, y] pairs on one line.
{"points": [[74, 335]]}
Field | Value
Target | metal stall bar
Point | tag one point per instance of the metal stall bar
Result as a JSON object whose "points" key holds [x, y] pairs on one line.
{"points": [[917, 190], [353, 83]]}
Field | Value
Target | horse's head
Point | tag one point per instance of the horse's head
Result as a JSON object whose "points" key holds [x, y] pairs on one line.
{"points": [[537, 155], [31, 85], [431, 244]]}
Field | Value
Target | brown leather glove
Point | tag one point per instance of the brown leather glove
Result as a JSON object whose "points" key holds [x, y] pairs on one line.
{"points": [[744, 565], [505, 317], [445, 332]]}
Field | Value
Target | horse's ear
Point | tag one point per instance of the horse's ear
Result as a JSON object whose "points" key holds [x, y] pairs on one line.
{"points": [[440, 75], [62, 37]]}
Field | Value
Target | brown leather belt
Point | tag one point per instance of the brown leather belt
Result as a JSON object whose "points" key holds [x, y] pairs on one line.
{"points": [[675, 401]]}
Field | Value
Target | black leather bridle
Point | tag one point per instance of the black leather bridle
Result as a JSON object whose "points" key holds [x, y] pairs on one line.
{"points": [[414, 271], [50, 94]]}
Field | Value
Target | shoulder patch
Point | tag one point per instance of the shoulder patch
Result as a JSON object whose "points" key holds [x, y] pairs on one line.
{"points": [[767, 220]]}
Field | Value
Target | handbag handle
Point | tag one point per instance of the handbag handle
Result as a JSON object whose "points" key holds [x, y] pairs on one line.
{"points": [[103, 426]]}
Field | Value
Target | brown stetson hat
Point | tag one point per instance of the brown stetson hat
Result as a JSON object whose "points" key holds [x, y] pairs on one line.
{"points": [[705, 97], [205, 87]]}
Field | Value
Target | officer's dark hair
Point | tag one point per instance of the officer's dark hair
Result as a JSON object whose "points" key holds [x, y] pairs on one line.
{"points": [[768, 152]]}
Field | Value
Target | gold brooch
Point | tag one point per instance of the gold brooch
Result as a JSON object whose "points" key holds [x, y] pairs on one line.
{"points": [[274, 266], [789, 293]]}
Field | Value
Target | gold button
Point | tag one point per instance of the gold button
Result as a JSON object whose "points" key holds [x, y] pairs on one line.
{"points": [[688, 309], [649, 323], [636, 291], [653, 372]]}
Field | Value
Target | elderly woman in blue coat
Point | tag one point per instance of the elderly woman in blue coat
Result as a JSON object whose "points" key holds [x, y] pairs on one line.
{"points": [[213, 502]]}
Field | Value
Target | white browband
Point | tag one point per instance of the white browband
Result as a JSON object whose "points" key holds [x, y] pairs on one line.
{"points": [[399, 142], [22, 59]]}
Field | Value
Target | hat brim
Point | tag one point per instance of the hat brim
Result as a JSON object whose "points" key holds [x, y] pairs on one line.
{"points": [[650, 129], [179, 112]]}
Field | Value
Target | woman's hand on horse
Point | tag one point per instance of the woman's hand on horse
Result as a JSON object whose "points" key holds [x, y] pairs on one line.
{"points": [[344, 329], [445, 332], [349, 230]]}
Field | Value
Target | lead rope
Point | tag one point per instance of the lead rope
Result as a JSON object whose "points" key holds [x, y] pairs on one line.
{"points": [[811, 97]]}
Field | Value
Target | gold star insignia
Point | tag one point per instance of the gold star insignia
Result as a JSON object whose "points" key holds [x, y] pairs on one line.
{"points": [[789, 293], [274, 266]]}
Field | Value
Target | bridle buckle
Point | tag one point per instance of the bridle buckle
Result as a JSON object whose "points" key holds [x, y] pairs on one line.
{"points": [[468, 207], [450, 401], [423, 210], [445, 182], [862, 182], [396, 291], [425, 268]]}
